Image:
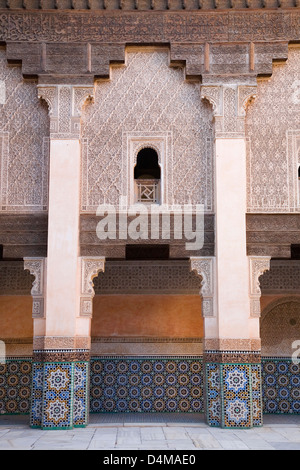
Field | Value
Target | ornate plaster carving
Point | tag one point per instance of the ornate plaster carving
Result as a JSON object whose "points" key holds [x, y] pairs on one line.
{"points": [[229, 102], [246, 94], [282, 278], [213, 94], [147, 102], [13, 279], [150, 277], [228, 25], [65, 103], [24, 149], [273, 138], [90, 268], [280, 323], [37, 267], [204, 267], [257, 266]]}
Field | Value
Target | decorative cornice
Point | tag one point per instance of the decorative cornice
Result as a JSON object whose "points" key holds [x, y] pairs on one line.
{"points": [[204, 5], [142, 339], [232, 357], [61, 342], [232, 344], [61, 355], [70, 42]]}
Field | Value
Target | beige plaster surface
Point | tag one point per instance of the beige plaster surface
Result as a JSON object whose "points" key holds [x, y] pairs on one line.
{"points": [[232, 268], [147, 315], [16, 316], [63, 273]]}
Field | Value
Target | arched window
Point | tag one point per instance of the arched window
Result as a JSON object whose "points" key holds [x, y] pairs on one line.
{"points": [[147, 176]]}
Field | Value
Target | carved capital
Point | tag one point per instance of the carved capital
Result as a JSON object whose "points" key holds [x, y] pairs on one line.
{"points": [[213, 94], [90, 268], [229, 103], [36, 267], [257, 266], [246, 94], [65, 103], [204, 267]]}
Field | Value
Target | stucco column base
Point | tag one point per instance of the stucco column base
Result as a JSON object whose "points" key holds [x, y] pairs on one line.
{"points": [[232, 381]]}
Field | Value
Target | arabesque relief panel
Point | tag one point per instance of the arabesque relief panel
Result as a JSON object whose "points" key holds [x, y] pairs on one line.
{"points": [[272, 131], [24, 131], [146, 95]]}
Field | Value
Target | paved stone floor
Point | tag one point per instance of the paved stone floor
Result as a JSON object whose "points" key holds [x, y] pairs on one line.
{"points": [[157, 431]]}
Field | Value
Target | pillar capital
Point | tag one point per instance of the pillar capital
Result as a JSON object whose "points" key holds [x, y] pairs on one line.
{"points": [[65, 102], [229, 102]]}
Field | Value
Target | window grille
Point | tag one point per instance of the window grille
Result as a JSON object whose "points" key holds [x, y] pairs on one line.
{"points": [[147, 190]]}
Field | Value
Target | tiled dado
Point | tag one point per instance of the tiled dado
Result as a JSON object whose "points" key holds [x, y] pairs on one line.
{"points": [[15, 385], [147, 384], [59, 395], [233, 389], [280, 385]]}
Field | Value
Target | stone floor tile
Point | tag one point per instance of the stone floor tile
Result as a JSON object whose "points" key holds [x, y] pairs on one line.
{"points": [[182, 444], [233, 445], [128, 436], [152, 434], [194, 431], [286, 445], [206, 443], [256, 444], [175, 433], [153, 446]]}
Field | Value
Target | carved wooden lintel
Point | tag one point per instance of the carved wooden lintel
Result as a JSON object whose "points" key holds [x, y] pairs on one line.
{"points": [[86, 43]]}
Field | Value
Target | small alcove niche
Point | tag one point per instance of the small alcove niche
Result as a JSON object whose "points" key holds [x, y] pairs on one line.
{"points": [[147, 177]]}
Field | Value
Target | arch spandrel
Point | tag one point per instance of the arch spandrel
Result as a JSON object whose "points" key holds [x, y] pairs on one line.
{"points": [[280, 324]]}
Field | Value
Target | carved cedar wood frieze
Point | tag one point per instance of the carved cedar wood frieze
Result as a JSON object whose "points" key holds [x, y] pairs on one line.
{"points": [[208, 43], [139, 5]]}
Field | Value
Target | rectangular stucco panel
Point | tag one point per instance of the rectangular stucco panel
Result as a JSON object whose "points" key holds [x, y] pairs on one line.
{"points": [[16, 317], [147, 315]]}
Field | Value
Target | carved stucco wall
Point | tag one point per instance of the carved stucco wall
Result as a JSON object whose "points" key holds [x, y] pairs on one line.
{"points": [[280, 326], [24, 143], [150, 100], [273, 137]]}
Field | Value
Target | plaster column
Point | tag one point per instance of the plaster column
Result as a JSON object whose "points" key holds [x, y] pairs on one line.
{"points": [[61, 333], [232, 340]]}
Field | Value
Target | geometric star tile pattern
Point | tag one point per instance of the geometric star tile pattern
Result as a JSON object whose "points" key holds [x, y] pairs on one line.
{"points": [[281, 385], [63, 394], [164, 384]]}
